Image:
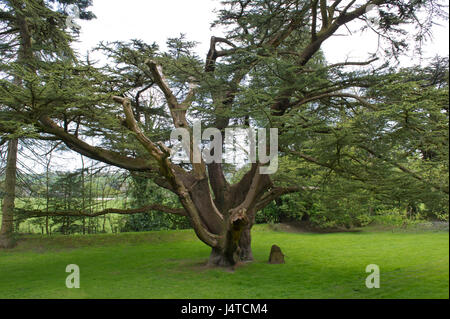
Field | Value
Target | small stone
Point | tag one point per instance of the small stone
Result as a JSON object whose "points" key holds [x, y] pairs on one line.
{"points": [[276, 256]]}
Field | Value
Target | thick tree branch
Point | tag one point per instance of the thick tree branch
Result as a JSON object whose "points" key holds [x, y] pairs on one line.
{"points": [[190, 95], [324, 14], [133, 164], [144, 209], [132, 125], [178, 113], [347, 63], [213, 54], [257, 187], [314, 19], [273, 194], [161, 81], [360, 99]]}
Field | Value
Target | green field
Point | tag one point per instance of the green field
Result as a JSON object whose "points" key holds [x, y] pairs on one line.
{"points": [[170, 264]]}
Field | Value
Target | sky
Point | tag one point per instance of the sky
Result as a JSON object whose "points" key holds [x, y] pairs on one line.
{"points": [[150, 20], [156, 20], [153, 20]]}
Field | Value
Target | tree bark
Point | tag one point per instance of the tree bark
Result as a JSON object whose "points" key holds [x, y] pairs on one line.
{"points": [[245, 243], [237, 246], [7, 229], [24, 56]]}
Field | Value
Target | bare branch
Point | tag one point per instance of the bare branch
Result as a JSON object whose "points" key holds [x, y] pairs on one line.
{"points": [[133, 126], [324, 14], [213, 54], [351, 63], [161, 81], [275, 193], [144, 209], [47, 125], [360, 99], [191, 93], [314, 20]]}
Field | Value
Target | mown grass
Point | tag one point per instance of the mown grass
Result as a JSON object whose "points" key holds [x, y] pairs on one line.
{"points": [[170, 264]]}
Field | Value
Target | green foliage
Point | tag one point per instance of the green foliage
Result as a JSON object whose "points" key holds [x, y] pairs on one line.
{"points": [[144, 191], [356, 138]]}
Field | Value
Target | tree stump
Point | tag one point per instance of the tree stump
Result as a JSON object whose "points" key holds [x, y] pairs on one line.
{"points": [[276, 256]]}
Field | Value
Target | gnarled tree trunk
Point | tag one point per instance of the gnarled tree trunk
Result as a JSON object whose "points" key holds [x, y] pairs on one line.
{"points": [[236, 253], [236, 249]]}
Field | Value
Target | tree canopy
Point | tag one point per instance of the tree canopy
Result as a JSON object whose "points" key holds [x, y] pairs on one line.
{"points": [[381, 129]]}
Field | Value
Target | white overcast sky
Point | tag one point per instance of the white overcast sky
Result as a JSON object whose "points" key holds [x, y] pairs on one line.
{"points": [[156, 20]]}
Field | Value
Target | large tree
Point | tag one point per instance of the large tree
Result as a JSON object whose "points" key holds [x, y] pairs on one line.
{"points": [[267, 71]]}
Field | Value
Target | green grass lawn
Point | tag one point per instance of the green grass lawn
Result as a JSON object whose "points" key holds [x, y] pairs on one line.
{"points": [[170, 264]]}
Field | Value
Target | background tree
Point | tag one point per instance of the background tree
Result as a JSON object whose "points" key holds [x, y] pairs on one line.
{"points": [[32, 33], [376, 157]]}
